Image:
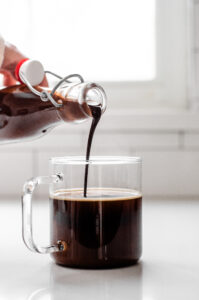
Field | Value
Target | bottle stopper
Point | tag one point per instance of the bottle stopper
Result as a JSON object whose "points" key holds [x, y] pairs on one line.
{"points": [[32, 73], [31, 70]]}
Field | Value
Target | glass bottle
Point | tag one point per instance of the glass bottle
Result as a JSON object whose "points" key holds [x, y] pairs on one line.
{"points": [[23, 114]]}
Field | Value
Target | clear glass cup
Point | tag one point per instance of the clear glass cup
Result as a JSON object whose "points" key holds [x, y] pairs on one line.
{"points": [[102, 230]]}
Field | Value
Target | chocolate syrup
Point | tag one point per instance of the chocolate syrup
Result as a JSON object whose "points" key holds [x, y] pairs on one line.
{"points": [[96, 114], [24, 116]]}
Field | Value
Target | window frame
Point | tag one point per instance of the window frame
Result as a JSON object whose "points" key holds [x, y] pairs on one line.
{"points": [[169, 87]]}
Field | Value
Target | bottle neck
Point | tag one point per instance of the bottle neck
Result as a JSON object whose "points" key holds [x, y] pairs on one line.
{"points": [[70, 110], [80, 98]]}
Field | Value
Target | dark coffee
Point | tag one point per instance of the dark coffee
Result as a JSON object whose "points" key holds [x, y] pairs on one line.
{"points": [[101, 231]]}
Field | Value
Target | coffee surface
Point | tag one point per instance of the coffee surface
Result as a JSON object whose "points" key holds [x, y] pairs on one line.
{"points": [[96, 194], [102, 230]]}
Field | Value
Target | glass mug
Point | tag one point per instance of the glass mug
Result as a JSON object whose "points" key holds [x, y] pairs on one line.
{"points": [[102, 230]]}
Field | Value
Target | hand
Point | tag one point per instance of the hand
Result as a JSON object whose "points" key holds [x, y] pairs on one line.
{"points": [[11, 58]]}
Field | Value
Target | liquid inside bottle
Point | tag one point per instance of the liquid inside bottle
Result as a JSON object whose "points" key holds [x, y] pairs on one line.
{"points": [[23, 115]]}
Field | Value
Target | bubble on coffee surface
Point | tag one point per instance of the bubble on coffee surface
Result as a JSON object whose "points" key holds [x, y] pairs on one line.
{"points": [[96, 194]]}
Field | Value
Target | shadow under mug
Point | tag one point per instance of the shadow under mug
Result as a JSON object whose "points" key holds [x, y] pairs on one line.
{"points": [[101, 230]]}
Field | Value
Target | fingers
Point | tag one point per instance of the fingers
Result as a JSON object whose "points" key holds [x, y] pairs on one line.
{"points": [[11, 58], [8, 78], [44, 82]]}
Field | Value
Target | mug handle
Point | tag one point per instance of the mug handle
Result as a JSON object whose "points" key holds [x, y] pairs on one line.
{"points": [[28, 190]]}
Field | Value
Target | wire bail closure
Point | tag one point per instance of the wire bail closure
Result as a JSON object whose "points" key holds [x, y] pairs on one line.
{"points": [[45, 95]]}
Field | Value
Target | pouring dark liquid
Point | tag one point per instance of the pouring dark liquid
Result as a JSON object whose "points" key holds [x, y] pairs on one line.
{"points": [[96, 114]]}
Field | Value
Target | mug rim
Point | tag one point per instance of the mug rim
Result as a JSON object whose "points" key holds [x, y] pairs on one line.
{"points": [[95, 160]]}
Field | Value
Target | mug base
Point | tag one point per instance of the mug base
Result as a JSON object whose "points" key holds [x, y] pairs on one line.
{"points": [[100, 265]]}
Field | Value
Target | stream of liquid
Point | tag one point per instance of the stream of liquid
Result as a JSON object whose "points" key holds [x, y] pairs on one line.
{"points": [[96, 114]]}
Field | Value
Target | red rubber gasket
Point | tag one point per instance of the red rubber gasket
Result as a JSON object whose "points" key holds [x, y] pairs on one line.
{"points": [[18, 68]]}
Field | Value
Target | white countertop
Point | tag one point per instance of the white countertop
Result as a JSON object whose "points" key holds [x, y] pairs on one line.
{"points": [[169, 268]]}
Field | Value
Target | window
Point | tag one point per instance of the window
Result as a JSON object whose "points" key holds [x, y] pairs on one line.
{"points": [[135, 48]]}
